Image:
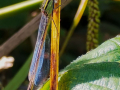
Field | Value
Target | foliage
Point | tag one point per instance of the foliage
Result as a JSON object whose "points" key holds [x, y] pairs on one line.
{"points": [[98, 69]]}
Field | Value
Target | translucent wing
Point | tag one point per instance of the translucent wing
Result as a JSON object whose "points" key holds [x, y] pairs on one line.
{"points": [[39, 69]]}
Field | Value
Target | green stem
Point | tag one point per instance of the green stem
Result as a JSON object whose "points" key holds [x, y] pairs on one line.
{"points": [[12, 9], [77, 18], [67, 39]]}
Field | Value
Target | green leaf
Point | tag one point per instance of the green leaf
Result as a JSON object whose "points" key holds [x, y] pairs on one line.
{"points": [[98, 69], [96, 76], [20, 76]]}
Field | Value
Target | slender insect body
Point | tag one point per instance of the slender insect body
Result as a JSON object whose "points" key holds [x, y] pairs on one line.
{"points": [[39, 69], [40, 65], [43, 69]]}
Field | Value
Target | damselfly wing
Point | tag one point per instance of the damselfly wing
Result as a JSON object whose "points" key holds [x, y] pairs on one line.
{"points": [[39, 69]]}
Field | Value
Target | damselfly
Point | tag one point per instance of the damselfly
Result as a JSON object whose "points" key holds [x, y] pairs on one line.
{"points": [[39, 70], [40, 65]]}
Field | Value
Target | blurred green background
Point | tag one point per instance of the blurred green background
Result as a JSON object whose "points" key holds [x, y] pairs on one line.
{"points": [[109, 27]]}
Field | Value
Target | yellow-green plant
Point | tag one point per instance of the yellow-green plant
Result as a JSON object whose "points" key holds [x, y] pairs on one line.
{"points": [[87, 71], [93, 25]]}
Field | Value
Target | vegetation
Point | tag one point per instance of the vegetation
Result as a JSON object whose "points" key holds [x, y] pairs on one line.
{"points": [[97, 69]]}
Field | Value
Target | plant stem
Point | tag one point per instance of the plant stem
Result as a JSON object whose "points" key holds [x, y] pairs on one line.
{"points": [[77, 18], [55, 35], [16, 8]]}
